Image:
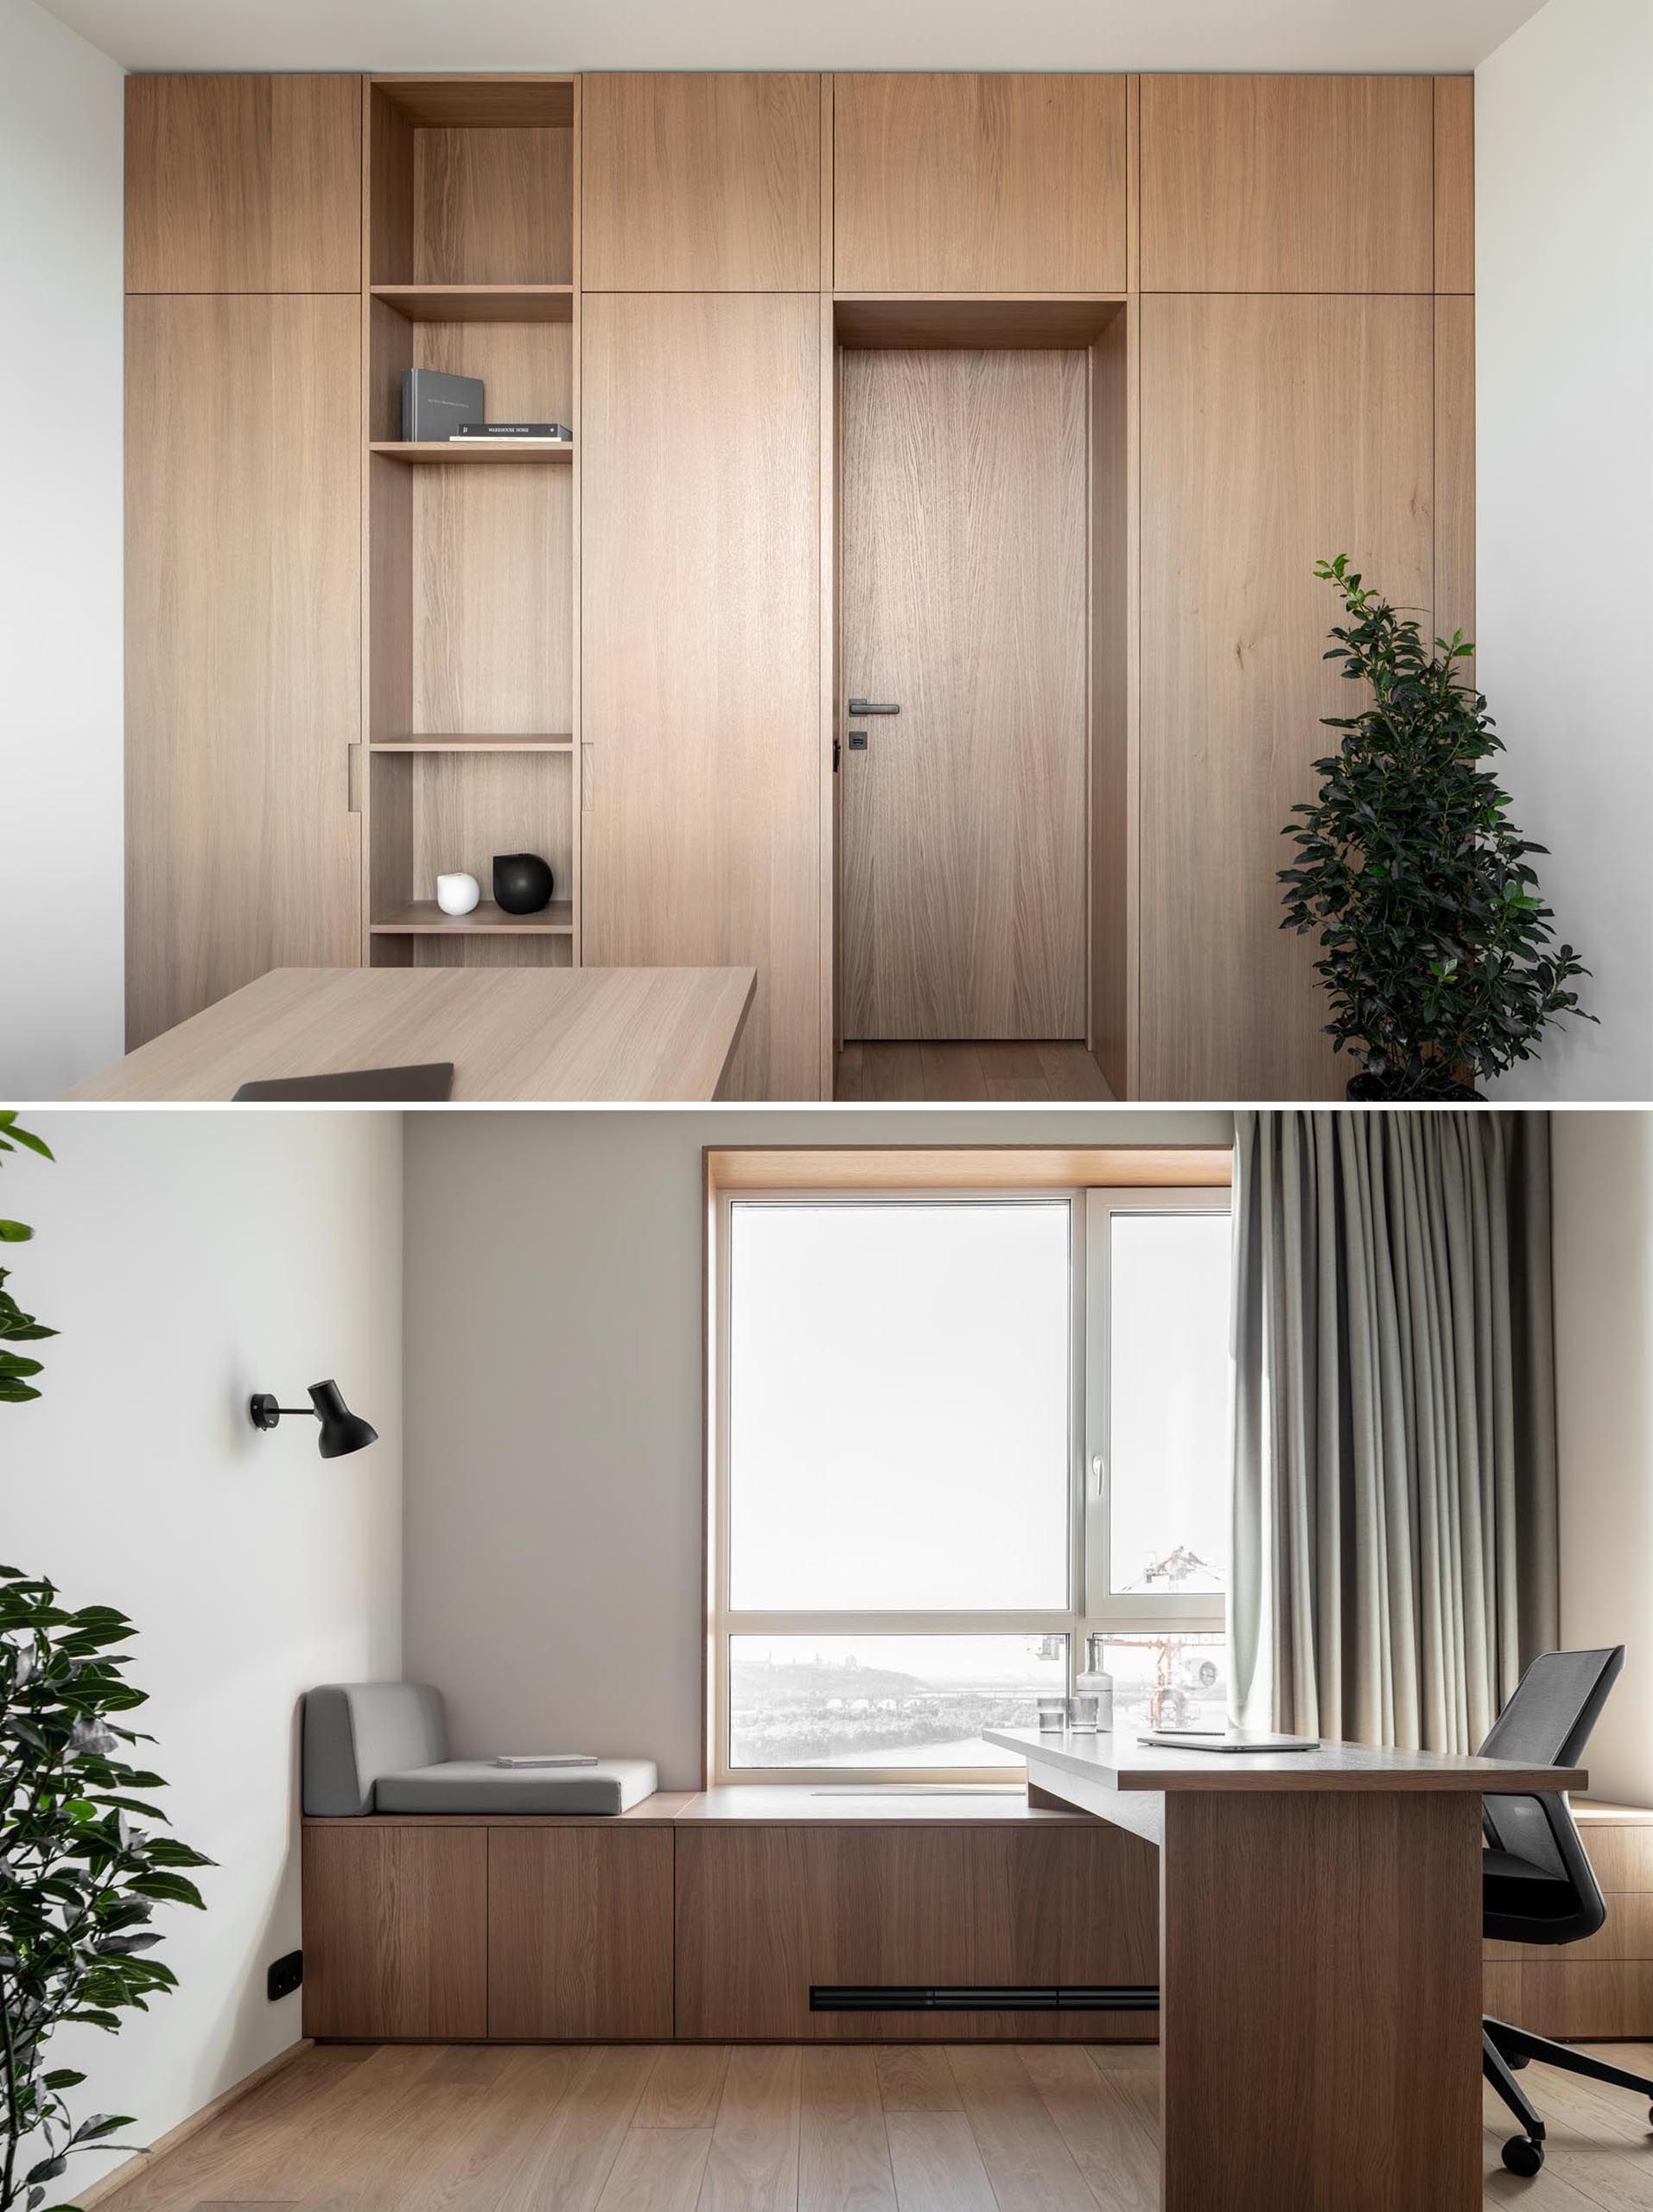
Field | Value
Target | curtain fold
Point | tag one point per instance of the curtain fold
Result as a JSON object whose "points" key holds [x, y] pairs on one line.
{"points": [[1394, 1552]]}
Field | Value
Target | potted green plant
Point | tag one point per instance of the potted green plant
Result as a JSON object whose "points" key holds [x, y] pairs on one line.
{"points": [[1435, 946], [81, 1866]]}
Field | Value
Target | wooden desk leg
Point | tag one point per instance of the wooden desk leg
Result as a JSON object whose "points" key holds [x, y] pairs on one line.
{"points": [[1320, 1992]]}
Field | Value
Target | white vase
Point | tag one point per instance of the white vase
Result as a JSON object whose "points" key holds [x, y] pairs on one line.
{"points": [[458, 894]]}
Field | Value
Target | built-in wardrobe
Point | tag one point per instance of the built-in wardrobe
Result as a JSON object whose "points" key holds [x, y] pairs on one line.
{"points": [[1020, 405]]}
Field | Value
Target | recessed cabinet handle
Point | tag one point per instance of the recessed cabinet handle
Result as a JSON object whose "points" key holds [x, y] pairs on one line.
{"points": [[859, 706]]}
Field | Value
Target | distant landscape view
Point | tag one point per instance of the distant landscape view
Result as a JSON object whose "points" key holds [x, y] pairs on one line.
{"points": [[814, 1706], [804, 1701]]}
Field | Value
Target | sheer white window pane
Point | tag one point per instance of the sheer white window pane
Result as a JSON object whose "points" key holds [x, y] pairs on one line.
{"points": [[1168, 1680], [899, 1407], [886, 1701], [1169, 1389]]}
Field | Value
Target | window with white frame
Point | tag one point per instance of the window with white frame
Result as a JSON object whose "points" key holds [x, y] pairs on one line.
{"points": [[953, 1434]]}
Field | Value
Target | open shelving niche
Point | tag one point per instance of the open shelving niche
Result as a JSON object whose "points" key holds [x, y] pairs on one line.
{"points": [[470, 572]]}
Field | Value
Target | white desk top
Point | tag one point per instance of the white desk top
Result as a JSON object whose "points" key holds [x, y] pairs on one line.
{"points": [[1119, 1762]]}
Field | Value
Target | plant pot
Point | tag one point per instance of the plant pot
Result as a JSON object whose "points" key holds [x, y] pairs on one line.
{"points": [[1376, 1090]]}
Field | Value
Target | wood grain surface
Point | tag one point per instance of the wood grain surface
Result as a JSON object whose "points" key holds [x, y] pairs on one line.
{"points": [[1276, 432], [243, 656], [702, 824], [600, 1034], [579, 1933], [999, 183], [964, 538], [406, 1915], [243, 184], [701, 182], [1287, 184]]}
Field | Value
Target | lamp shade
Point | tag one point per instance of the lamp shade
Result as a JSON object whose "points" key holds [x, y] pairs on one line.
{"points": [[341, 1430]]}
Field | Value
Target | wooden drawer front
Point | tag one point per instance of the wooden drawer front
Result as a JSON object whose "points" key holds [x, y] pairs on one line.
{"points": [[395, 1932], [1287, 184], [964, 183], [1623, 1857], [1580, 2000], [701, 182], [765, 1913], [579, 1933], [243, 184]]}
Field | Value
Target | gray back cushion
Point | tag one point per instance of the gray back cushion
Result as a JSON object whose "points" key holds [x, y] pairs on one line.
{"points": [[355, 1732]]}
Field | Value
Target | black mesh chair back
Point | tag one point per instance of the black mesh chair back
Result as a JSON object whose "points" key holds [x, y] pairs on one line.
{"points": [[1537, 1883]]}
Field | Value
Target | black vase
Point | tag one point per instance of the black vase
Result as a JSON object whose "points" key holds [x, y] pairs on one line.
{"points": [[522, 882]]}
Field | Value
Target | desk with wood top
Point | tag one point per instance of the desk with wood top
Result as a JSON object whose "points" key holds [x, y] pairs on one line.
{"points": [[602, 1034], [1319, 1962]]}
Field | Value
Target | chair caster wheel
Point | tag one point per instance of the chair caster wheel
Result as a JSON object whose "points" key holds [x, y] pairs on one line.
{"points": [[1523, 2156], [1516, 2064]]}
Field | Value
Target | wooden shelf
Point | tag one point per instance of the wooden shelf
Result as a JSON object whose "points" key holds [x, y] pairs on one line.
{"points": [[424, 917], [482, 100], [479, 303], [469, 453], [484, 741]]}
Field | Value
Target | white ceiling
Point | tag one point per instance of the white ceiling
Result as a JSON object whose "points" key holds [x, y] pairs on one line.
{"points": [[1287, 34]]}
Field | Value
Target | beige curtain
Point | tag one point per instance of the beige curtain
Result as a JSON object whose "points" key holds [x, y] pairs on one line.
{"points": [[1394, 1538]]}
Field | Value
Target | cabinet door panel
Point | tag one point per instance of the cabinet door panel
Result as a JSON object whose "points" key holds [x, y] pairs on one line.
{"points": [[243, 184], [700, 612], [701, 184], [964, 183], [1287, 184], [395, 1932], [1276, 432], [243, 653], [579, 1933], [762, 1914]]}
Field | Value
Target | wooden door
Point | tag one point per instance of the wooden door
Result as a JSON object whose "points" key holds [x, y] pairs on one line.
{"points": [[1276, 431], [701, 182], [396, 1931], [243, 653], [701, 622], [579, 1933], [963, 601], [994, 183], [243, 184]]}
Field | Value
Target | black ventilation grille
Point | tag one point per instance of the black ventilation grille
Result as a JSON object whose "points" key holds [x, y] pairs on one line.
{"points": [[983, 1997]]}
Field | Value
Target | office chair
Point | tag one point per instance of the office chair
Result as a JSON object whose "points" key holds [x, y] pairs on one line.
{"points": [[1537, 1885]]}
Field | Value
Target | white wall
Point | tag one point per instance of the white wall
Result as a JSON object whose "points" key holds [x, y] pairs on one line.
{"points": [[189, 1260], [1603, 1351], [61, 828], [553, 1345], [1564, 340]]}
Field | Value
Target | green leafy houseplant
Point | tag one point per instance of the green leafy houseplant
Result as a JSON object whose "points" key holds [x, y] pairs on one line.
{"points": [[17, 1327], [1436, 947], [81, 1868]]}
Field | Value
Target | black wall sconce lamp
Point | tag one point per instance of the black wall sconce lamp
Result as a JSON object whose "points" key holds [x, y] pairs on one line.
{"points": [[341, 1430]]}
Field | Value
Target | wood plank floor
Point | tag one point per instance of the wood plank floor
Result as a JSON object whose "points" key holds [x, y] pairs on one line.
{"points": [[950, 1075], [770, 2128]]}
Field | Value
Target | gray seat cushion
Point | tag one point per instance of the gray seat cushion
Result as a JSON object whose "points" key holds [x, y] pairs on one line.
{"points": [[479, 1786], [355, 1732]]}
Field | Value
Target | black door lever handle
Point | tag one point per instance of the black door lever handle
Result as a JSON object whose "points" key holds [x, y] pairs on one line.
{"points": [[857, 707]]}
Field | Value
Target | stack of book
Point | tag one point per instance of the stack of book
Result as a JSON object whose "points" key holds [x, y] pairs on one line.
{"points": [[521, 434]]}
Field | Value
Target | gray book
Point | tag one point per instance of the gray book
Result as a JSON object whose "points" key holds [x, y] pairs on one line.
{"points": [[434, 405]]}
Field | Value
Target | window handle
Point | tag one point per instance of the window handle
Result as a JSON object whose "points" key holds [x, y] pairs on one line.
{"points": [[1097, 1472]]}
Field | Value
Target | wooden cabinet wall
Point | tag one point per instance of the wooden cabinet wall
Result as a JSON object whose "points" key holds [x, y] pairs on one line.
{"points": [[1276, 431], [700, 589], [962, 183], [702, 183], [243, 644], [243, 184]]}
